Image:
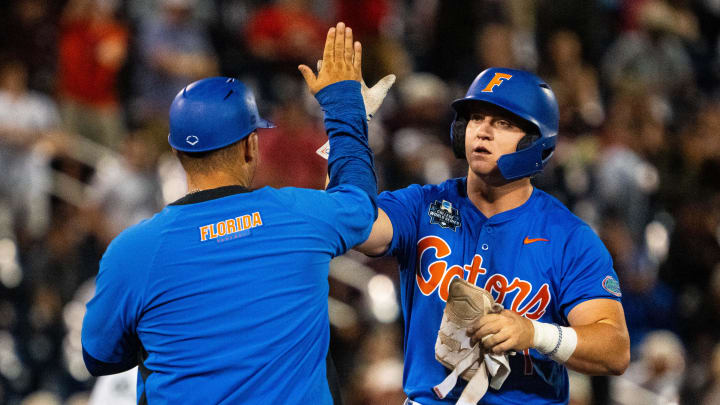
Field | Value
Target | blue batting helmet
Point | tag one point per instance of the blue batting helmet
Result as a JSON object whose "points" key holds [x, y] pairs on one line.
{"points": [[528, 97], [213, 113]]}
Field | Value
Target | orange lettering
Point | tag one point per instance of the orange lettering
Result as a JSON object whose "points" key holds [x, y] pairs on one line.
{"points": [[204, 231], [496, 81], [454, 271], [221, 228], [213, 235], [256, 219], [246, 221], [499, 283], [230, 224], [474, 269], [524, 288], [436, 269], [541, 300]]}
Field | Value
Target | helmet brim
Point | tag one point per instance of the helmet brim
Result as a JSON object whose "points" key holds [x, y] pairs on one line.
{"points": [[263, 123]]}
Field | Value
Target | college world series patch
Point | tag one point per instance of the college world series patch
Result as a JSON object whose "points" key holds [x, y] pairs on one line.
{"points": [[612, 286], [443, 214]]}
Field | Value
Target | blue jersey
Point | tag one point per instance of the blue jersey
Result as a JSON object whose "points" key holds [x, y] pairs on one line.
{"points": [[226, 293], [223, 295], [538, 260]]}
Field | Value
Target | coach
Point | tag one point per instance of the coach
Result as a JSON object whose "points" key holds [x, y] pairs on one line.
{"points": [[221, 298]]}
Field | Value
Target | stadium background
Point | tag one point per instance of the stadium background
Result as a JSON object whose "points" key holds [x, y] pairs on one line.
{"points": [[84, 91]]}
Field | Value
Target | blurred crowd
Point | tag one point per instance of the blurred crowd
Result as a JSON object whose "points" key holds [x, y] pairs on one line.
{"points": [[85, 87]]}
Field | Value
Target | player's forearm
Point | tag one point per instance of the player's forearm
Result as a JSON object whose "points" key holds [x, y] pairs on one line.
{"points": [[350, 160], [602, 349]]}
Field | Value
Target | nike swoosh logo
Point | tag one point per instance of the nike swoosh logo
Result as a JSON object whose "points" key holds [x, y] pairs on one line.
{"points": [[528, 241]]}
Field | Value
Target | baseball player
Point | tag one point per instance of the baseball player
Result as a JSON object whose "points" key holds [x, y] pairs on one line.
{"points": [[545, 266], [221, 298]]}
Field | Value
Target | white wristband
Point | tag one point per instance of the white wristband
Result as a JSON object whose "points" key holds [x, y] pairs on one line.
{"points": [[555, 341]]}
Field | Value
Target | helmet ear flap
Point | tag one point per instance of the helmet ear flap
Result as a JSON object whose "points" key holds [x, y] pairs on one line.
{"points": [[458, 137], [528, 140]]}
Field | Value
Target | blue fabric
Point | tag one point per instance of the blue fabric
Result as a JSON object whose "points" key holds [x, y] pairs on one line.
{"points": [[543, 280], [233, 318], [98, 368], [228, 293], [350, 161]]}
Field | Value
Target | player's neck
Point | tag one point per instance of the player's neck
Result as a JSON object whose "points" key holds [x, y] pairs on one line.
{"points": [[197, 182], [493, 199]]}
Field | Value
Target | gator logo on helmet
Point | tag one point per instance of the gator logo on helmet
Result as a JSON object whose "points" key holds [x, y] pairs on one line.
{"points": [[496, 81]]}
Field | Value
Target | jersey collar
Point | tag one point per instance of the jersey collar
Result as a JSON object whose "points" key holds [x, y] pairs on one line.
{"points": [[503, 216], [211, 194], [514, 213]]}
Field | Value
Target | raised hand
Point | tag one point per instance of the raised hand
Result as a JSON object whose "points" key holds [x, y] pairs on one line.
{"points": [[372, 96], [341, 60]]}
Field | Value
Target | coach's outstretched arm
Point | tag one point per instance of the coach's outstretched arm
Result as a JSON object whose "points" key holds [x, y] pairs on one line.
{"points": [[337, 88]]}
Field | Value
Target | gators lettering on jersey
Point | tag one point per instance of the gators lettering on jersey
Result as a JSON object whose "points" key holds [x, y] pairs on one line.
{"points": [[538, 260]]}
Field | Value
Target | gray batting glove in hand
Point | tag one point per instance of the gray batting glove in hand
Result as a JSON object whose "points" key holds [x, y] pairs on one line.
{"points": [[372, 96]]}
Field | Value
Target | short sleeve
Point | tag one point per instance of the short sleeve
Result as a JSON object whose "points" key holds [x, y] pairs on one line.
{"points": [[401, 206], [110, 323], [587, 270], [343, 217]]}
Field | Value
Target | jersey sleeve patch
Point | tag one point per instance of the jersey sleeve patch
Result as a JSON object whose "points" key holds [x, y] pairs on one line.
{"points": [[612, 286]]}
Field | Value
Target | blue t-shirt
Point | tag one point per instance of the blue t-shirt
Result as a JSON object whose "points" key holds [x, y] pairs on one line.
{"points": [[538, 259], [226, 293]]}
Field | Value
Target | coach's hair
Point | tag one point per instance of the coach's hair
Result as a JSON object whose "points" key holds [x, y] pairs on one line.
{"points": [[223, 159]]}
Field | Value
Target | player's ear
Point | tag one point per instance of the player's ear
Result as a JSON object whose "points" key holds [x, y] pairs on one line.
{"points": [[252, 151]]}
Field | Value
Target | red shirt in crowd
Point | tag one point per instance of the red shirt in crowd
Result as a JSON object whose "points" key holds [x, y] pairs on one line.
{"points": [[90, 55]]}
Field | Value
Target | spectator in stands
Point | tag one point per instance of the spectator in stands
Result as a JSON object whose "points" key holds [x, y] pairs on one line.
{"points": [[712, 394], [174, 49], [28, 32], [626, 179], [93, 47], [655, 55], [27, 119], [648, 302], [287, 153], [285, 30], [125, 189], [656, 376], [575, 84]]}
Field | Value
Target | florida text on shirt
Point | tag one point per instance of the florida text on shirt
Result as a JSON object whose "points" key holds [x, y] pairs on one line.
{"points": [[230, 226]]}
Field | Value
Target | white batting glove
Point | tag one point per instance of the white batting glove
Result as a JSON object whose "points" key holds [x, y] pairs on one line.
{"points": [[372, 96]]}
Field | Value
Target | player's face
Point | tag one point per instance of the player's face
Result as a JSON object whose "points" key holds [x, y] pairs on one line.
{"points": [[491, 132]]}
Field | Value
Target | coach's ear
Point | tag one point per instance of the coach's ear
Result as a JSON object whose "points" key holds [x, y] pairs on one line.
{"points": [[252, 151]]}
